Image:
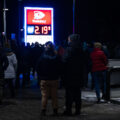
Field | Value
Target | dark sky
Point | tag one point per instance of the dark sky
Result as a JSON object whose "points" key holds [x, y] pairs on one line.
{"points": [[100, 20], [97, 20], [62, 15]]}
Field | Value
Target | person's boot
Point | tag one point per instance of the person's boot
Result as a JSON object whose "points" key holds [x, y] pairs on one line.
{"points": [[0, 102], [77, 109], [55, 112], [1, 96], [43, 112], [67, 113], [98, 101], [104, 97], [77, 112], [13, 94]]}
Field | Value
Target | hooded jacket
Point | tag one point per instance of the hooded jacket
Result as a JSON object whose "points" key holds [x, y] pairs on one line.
{"points": [[48, 66]]}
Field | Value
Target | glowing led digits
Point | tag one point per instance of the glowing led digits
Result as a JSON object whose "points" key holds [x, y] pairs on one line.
{"points": [[37, 30], [44, 30]]}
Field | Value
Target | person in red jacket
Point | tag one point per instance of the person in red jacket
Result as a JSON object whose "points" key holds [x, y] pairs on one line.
{"points": [[99, 69]]}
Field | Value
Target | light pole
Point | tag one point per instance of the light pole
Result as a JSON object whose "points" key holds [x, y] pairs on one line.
{"points": [[74, 16], [4, 19], [19, 21]]}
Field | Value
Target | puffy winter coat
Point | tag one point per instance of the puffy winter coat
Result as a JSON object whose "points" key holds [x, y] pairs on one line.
{"points": [[73, 61], [99, 60], [48, 66], [10, 72]]}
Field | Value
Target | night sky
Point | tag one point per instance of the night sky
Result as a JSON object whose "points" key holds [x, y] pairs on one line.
{"points": [[95, 20]]}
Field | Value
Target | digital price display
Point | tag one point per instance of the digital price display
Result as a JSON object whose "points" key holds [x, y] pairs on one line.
{"points": [[38, 25]]}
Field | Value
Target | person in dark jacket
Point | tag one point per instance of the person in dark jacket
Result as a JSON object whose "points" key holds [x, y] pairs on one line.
{"points": [[26, 59], [99, 69], [73, 74], [36, 52], [48, 69], [3, 66]]}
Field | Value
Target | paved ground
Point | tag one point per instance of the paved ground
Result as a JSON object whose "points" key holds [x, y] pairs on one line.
{"points": [[27, 105]]}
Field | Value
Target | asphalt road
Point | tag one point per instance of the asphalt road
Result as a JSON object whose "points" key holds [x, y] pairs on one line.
{"points": [[27, 106]]}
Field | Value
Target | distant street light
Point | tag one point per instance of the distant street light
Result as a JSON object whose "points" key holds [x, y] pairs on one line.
{"points": [[6, 9]]}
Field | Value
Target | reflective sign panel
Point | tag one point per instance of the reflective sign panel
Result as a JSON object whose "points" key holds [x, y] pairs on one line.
{"points": [[38, 25]]}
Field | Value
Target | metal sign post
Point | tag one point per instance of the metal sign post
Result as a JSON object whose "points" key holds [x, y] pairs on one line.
{"points": [[73, 16], [4, 19]]}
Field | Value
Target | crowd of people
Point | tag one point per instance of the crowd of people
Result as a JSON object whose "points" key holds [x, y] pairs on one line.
{"points": [[70, 64]]}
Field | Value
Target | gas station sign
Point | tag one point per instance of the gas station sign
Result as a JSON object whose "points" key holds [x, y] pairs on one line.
{"points": [[38, 25]]}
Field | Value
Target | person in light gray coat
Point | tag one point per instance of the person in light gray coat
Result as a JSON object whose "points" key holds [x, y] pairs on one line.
{"points": [[10, 72]]}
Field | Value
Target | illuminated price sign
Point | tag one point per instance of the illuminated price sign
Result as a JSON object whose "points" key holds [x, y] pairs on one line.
{"points": [[38, 25], [39, 30]]}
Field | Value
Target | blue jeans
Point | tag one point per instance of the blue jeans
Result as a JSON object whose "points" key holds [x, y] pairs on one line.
{"points": [[99, 78]]}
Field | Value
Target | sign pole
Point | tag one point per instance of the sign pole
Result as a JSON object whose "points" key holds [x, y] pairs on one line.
{"points": [[4, 18], [19, 24], [74, 16]]}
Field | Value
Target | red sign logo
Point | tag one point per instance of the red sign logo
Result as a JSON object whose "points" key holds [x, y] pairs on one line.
{"points": [[39, 17]]}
